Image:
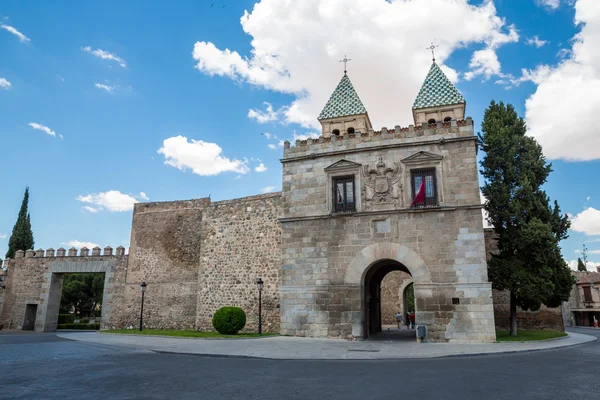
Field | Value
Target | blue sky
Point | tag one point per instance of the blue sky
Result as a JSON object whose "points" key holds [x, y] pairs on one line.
{"points": [[107, 103]]}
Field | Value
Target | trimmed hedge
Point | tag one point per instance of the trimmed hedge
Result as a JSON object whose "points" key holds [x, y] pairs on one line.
{"points": [[229, 320], [79, 326], [66, 318]]}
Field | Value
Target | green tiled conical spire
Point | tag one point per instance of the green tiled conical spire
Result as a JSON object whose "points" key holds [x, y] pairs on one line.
{"points": [[344, 101], [437, 90]]}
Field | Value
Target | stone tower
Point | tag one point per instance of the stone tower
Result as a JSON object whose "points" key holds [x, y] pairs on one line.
{"points": [[438, 99], [347, 219], [344, 112]]}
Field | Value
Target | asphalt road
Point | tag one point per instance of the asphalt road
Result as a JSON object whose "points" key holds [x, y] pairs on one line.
{"points": [[42, 366]]}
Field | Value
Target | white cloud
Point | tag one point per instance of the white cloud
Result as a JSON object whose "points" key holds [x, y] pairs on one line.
{"points": [[591, 265], [105, 55], [3, 236], [536, 41], [484, 214], [304, 136], [271, 146], [483, 62], [269, 135], [549, 4], [594, 251], [267, 189], [60, 77], [90, 209], [113, 201], [587, 221], [43, 128], [144, 196], [262, 117], [79, 244], [261, 168], [14, 31], [4, 84], [203, 158], [293, 40], [102, 86], [562, 111]]}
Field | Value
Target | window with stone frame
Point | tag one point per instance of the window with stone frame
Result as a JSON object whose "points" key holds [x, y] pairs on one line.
{"points": [[587, 294], [428, 175], [343, 194]]}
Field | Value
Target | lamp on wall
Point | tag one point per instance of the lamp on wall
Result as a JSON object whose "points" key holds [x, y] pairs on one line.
{"points": [[260, 284]]}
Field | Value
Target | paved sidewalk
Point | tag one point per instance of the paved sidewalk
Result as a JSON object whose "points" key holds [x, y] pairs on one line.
{"points": [[295, 348]]}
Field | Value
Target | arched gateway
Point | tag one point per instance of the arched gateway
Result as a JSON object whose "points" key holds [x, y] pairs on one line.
{"points": [[369, 267]]}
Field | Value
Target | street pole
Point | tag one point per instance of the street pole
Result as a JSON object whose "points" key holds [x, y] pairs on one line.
{"points": [[143, 287], [259, 285], [260, 312]]}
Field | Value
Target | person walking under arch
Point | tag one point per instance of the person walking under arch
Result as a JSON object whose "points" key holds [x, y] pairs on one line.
{"points": [[412, 320], [399, 319]]}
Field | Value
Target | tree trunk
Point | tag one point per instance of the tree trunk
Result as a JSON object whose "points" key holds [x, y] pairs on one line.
{"points": [[513, 315]]}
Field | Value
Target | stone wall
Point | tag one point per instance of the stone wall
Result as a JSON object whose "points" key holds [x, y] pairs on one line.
{"points": [[544, 318], [36, 278], [241, 241], [166, 242], [392, 300], [325, 255]]}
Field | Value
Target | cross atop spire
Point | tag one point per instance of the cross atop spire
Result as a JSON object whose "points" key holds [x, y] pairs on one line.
{"points": [[345, 61], [432, 48]]}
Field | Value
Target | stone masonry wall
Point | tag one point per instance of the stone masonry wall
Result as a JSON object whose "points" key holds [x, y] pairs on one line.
{"points": [[392, 301], [164, 253], [544, 318], [241, 241], [325, 254], [36, 278]]}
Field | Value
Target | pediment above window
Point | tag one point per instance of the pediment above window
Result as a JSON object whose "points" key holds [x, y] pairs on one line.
{"points": [[342, 165], [422, 156]]}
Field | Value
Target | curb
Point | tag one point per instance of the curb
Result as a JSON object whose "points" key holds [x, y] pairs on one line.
{"points": [[241, 356], [181, 337]]}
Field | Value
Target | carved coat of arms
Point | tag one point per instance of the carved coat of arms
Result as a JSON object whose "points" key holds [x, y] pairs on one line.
{"points": [[382, 184]]}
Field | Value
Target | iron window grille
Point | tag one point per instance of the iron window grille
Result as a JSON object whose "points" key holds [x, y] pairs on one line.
{"points": [[427, 174], [343, 194]]}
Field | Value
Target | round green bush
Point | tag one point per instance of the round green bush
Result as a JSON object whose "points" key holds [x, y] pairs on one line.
{"points": [[229, 320]]}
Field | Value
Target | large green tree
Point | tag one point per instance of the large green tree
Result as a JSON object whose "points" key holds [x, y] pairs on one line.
{"points": [[529, 263], [82, 294], [22, 235]]}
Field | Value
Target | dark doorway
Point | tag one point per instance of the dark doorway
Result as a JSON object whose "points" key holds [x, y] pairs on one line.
{"points": [[372, 293], [29, 321]]}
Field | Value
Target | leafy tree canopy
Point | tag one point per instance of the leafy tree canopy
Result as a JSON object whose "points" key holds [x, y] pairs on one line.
{"points": [[529, 228]]}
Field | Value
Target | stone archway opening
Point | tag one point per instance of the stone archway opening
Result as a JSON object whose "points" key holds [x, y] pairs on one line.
{"points": [[385, 282]]}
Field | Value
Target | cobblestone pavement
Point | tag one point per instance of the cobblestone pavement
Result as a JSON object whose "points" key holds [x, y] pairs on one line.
{"points": [[43, 366]]}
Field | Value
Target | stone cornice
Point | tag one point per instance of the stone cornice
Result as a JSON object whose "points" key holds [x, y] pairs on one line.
{"points": [[378, 147], [367, 213]]}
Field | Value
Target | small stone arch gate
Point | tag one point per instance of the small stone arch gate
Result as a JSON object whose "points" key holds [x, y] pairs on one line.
{"points": [[48, 310]]}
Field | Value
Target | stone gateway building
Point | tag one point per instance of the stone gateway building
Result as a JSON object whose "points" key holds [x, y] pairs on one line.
{"points": [[346, 217]]}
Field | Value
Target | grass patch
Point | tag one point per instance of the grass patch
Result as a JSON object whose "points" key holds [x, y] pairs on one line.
{"points": [[525, 336], [192, 334]]}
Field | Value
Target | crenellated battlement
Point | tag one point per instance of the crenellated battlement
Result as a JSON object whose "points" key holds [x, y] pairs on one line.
{"points": [[411, 134], [72, 252]]}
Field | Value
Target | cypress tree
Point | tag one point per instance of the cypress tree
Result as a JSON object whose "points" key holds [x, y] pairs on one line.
{"points": [[580, 265], [529, 263], [22, 235]]}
